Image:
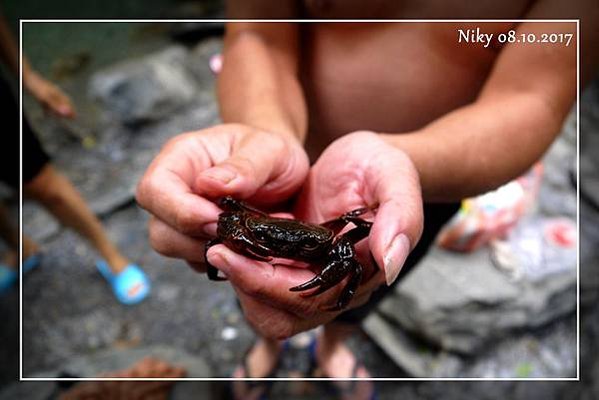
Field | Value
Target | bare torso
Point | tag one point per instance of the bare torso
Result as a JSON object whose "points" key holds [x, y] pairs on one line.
{"points": [[392, 77]]}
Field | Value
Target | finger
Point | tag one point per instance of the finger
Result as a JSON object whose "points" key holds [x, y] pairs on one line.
{"points": [[370, 285], [399, 219], [268, 321], [270, 283], [164, 193], [61, 104], [171, 243], [284, 215], [197, 266], [259, 164]]}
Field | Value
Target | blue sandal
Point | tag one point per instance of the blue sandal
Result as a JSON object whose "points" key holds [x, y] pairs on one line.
{"points": [[9, 276], [130, 286], [31, 262]]}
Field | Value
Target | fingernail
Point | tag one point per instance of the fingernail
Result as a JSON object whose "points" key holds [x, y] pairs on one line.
{"points": [[220, 174], [395, 256], [220, 262]]}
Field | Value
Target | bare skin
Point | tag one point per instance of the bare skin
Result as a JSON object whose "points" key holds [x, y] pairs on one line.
{"points": [[421, 82], [10, 235], [58, 195], [52, 189], [447, 115]]}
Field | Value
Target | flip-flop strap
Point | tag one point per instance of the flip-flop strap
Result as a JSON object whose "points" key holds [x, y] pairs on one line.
{"points": [[347, 390], [271, 374]]}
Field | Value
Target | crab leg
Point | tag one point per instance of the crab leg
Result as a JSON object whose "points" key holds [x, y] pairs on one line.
{"points": [[349, 290], [338, 223], [331, 275], [251, 249], [211, 270], [228, 203]]}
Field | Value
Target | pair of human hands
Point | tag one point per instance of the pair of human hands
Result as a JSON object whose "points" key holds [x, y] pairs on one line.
{"points": [[357, 170]]}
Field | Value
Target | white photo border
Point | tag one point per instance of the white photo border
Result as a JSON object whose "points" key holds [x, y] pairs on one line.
{"points": [[225, 20]]}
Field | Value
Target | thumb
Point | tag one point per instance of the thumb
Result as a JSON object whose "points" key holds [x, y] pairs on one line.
{"points": [[399, 220]]}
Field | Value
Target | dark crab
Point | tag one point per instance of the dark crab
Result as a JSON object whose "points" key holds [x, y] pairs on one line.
{"points": [[257, 235]]}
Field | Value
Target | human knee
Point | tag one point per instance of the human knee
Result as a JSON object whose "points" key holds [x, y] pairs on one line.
{"points": [[47, 187]]}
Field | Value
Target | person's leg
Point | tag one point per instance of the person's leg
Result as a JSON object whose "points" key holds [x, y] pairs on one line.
{"points": [[334, 358], [10, 235], [261, 359], [8, 232], [56, 193]]}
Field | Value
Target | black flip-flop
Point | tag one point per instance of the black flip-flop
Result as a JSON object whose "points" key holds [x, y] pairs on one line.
{"points": [[251, 385], [333, 387]]}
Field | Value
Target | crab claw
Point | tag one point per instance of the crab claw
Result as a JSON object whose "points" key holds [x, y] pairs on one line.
{"points": [[333, 274]]}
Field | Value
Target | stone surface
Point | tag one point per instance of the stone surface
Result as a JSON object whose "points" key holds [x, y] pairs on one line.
{"points": [[589, 143], [454, 307], [145, 90], [190, 313], [526, 355], [557, 195], [94, 364], [107, 173], [462, 303]]}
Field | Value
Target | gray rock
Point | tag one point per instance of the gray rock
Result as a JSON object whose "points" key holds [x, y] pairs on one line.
{"points": [[147, 89], [462, 305], [38, 224], [557, 195], [589, 143], [199, 58], [462, 302], [94, 364], [180, 98]]}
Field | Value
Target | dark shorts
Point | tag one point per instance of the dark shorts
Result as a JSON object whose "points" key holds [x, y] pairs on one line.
{"points": [[34, 156], [435, 216]]}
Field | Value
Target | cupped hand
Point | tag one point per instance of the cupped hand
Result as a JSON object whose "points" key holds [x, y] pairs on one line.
{"points": [[50, 96], [357, 170], [196, 168], [362, 170]]}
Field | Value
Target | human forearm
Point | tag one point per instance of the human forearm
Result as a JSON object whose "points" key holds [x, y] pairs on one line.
{"points": [[480, 146], [517, 115], [258, 85]]}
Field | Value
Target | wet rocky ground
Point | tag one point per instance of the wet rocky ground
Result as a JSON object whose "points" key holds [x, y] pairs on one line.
{"points": [[72, 323]]}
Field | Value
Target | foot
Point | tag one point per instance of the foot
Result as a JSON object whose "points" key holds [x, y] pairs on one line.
{"points": [[334, 359], [10, 259], [9, 262], [117, 263], [130, 286], [29, 248], [261, 361]]}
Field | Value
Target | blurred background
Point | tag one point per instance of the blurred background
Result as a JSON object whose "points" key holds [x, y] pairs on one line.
{"points": [[500, 307]]}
